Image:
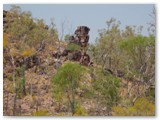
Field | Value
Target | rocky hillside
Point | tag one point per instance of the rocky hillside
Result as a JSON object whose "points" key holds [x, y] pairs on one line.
{"points": [[46, 76]]}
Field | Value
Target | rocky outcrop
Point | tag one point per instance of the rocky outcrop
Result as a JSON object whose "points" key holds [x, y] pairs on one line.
{"points": [[76, 48]]}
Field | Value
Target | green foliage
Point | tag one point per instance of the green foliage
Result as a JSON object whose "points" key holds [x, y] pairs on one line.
{"points": [[139, 51], [109, 90], [67, 75], [21, 22], [89, 93], [37, 34], [26, 30], [137, 42], [20, 81], [106, 48], [106, 88], [91, 51], [136, 53], [126, 52], [79, 111], [150, 94], [141, 107], [66, 81], [136, 45], [20, 87], [58, 93], [67, 38], [73, 47], [40, 113]]}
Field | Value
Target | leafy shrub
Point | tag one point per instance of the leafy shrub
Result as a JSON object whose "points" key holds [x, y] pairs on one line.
{"points": [[40, 113], [20, 81], [137, 48], [107, 88], [79, 111], [141, 107], [73, 47]]}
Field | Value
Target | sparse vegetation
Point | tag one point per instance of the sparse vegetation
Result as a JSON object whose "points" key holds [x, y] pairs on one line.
{"points": [[119, 80], [141, 107]]}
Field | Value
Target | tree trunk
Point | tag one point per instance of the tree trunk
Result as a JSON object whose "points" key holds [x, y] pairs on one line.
{"points": [[73, 104]]}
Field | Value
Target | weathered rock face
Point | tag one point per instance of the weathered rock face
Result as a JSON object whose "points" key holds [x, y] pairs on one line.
{"points": [[81, 39], [81, 36]]}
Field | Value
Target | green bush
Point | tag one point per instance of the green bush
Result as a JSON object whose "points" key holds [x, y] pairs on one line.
{"points": [[73, 47], [40, 113], [66, 82], [79, 111], [106, 87], [141, 107]]}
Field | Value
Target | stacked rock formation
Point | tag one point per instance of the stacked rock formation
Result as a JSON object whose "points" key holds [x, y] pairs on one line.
{"points": [[80, 40]]}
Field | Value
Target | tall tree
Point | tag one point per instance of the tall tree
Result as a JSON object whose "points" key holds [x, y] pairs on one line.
{"points": [[67, 81]]}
